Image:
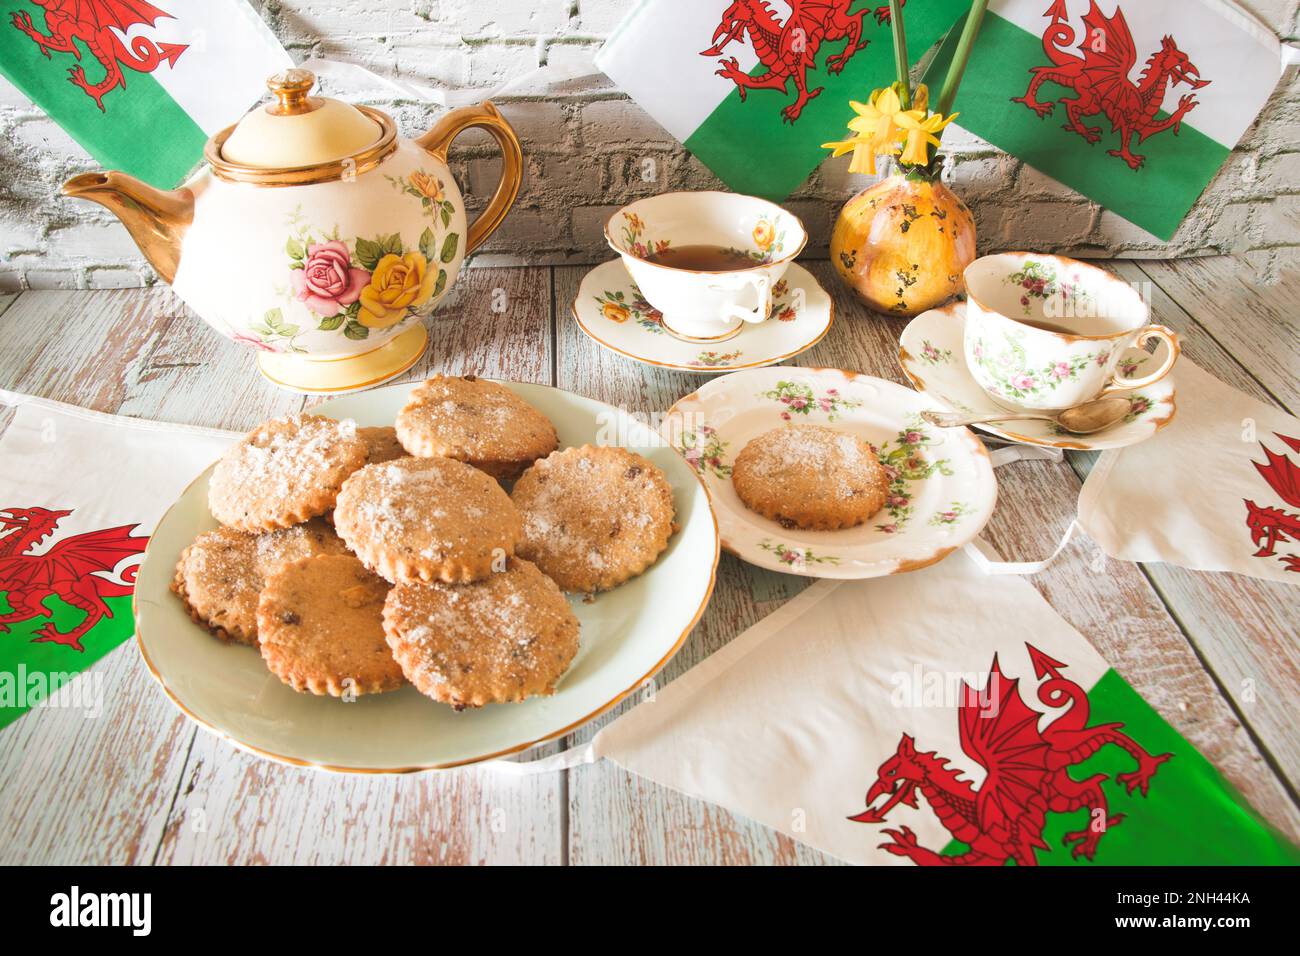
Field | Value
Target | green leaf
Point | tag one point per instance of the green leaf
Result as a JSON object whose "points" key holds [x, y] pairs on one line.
{"points": [[330, 324], [369, 254], [353, 310], [446, 213], [427, 244], [274, 319], [355, 330], [449, 247], [440, 283], [392, 244], [295, 249]]}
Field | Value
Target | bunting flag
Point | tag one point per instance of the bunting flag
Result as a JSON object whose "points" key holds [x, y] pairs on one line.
{"points": [[140, 87], [938, 718], [80, 492], [1134, 103], [753, 91]]}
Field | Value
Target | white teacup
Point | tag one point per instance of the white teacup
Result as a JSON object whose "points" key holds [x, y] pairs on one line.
{"points": [[1046, 333], [698, 304]]}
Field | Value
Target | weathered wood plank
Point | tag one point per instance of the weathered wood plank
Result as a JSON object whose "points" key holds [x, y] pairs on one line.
{"points": [[616, 817], [1255, 321], [83, 348], [1243, 629], [155, 787]]}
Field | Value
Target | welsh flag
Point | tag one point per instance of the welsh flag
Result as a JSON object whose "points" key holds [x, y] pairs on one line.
{"points": [[753, 88], [940, 718], [80, 493], [1134, 103], [140, 87]]}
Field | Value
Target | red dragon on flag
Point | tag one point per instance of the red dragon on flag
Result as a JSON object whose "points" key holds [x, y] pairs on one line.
{"points": [[103, 26], [75, 569], [789, 49], [1100, 79], [1269, 526], [1027, 775]]}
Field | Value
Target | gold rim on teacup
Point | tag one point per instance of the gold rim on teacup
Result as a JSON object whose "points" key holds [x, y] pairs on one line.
{"points": [[777, 210]]}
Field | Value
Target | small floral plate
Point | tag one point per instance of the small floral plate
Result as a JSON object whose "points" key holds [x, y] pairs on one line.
{"points": [[942, 488], [612, 312], [931, 353]]}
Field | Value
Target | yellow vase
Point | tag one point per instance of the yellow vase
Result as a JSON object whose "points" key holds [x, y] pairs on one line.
{"points": [[902, 245]]}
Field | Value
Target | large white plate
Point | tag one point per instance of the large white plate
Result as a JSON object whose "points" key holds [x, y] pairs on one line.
{"points": [[628, 634], [942, 494]]}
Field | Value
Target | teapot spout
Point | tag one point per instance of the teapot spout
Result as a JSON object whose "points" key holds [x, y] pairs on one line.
{"points": [[156, 219]]}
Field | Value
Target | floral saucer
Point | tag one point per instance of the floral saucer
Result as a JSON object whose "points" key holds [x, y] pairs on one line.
{"points": [[931, 353], [612, 312], [942, 487]]}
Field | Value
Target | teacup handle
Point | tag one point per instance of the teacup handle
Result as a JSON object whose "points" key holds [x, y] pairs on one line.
{"points": [[762, 284], [484, 116], [1164, 334]]}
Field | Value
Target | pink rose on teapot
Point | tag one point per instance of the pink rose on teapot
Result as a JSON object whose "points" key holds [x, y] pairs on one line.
{"points": [[327, 281]]}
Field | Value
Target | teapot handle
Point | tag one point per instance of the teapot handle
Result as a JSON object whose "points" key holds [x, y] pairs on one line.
{"points": [[484, 116]]}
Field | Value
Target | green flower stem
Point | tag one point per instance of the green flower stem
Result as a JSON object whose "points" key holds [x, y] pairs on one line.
{"points": [[962, 55], [901, 62]]}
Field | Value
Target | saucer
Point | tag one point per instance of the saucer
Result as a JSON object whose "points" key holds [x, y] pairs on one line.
{"points": [[942, 488], [931, 353], [612, 312]]}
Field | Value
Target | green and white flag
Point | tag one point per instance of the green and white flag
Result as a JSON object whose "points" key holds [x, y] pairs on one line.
{"points": [[1134, 103], [140, 87], [754, 88], [80, 492], [943, 717]]}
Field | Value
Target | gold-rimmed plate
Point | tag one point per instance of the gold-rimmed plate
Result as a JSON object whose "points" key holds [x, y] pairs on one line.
{"points": [[941, 493], [612, 312], [627, 635]]}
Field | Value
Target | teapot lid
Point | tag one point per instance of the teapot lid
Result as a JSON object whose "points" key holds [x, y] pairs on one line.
{"points": [[299, 130]]}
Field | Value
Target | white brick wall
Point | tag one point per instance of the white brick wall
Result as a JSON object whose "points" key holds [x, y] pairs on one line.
{"points": [[587, 151]]}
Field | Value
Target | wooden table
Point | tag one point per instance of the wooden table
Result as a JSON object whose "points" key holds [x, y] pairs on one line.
{"points": [[1216, 654]]}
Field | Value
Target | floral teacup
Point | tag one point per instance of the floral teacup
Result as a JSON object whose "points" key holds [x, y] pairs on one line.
{"points": [[1047, 333], [707, 305]]}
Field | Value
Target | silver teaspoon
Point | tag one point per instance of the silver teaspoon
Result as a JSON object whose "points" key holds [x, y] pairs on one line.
{"points": [[1085, 419]]}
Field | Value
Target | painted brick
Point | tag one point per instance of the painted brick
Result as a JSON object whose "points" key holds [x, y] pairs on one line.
{"points": [[620, 123], [589, 228], [587, 145]]}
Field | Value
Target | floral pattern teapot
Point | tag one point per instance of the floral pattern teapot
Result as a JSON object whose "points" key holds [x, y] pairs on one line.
{"points": [[315, 234]]}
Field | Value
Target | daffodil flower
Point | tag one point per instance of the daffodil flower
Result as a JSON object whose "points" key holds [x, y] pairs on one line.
{"points": [[878, 130], [920, 134], [864, 151], [879, 119]]}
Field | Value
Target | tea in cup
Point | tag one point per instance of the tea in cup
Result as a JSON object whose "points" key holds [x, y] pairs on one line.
{"points": [[1048, 333], [708, 261]]}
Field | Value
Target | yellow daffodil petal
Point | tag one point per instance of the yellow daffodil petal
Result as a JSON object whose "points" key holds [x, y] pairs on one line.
{"points": [[888, 102], [915, 153]]}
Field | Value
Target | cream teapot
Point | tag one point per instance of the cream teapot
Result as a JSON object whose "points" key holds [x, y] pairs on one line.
{"points": [[315, 234]]}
